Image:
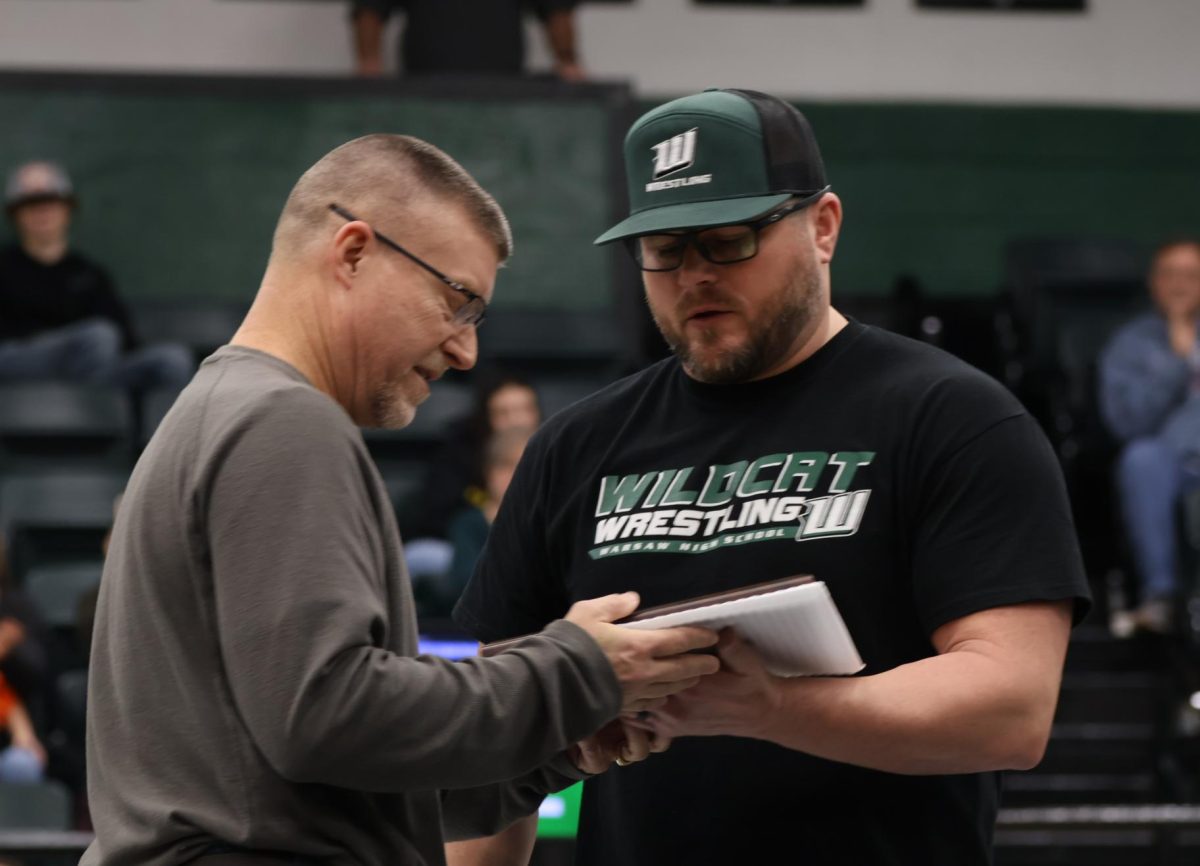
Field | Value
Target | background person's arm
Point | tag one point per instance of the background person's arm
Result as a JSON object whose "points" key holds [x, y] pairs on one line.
{"points": [[1140, 383], [560, 34], [23, 734], [557, 18], [367, 23]]}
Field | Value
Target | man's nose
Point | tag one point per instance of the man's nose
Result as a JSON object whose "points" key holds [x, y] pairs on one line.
{"points": [[695, 269], [462, 348]]}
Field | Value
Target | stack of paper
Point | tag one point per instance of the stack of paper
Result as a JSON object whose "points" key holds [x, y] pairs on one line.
{"points": [[792, 622], [796, 628]]}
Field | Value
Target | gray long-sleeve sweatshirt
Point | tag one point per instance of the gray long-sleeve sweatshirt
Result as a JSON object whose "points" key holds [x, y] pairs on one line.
{"points": [[253, 675]]}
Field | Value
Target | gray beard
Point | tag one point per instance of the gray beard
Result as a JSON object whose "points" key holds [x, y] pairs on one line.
{"points": [[387, 411], [773, 334]]}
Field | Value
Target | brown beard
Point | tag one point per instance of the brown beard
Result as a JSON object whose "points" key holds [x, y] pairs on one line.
{"points": [[774, 332]]}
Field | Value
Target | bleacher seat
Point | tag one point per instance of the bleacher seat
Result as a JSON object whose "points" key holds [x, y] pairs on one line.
{"points": [[559, 392], [1046, 278], [532, 341], [403, 479], [55, 590], [58, 517], [41, 806], [52, 424], [200, 325], [71, 695], [448, 401]]}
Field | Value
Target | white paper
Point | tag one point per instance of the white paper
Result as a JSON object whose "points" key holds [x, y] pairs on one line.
{"points": [[798, 630]]}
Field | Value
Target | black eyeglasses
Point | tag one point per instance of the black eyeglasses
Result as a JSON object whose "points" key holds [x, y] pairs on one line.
{"points": [[721, 245], [473, 312]]}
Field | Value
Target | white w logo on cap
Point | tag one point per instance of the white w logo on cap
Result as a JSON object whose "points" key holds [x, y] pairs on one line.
{"points": [[675, 153]]}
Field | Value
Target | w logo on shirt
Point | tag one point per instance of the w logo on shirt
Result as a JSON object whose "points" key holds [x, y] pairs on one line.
{"points": [[674, 154]]}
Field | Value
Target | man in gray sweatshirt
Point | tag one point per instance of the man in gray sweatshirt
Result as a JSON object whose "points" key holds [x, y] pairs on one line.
{"points": [[255, 694], [1150, 397]]}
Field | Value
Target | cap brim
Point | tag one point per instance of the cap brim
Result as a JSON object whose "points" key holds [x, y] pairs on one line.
{"points": [[38, 198], [693, 215]]}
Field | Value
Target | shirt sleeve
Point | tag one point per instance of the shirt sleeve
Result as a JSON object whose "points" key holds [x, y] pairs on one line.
{"points": [[994, 527], [473, 812], [516, 589], [302, 618]]}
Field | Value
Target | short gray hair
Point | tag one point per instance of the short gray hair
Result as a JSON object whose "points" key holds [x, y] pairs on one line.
{"points": [[387, 174]]}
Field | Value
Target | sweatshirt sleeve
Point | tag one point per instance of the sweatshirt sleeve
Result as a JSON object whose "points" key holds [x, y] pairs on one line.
{"points": [[1141, 382], [301, 606], [472, 812]]}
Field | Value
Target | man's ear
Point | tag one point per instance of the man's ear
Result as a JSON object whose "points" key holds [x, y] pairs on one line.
{"points": [[350, 246], [827, 223]]}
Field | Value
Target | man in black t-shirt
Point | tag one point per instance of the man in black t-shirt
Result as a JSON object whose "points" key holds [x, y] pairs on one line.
{"points": [[784, 439], [464, 37], [60, 316]]}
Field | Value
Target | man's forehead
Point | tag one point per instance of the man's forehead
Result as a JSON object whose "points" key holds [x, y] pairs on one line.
{"points": [[1181, 253], [464, 251]]}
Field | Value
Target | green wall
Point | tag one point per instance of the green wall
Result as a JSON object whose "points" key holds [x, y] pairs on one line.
{"points": [[180, 188], [936, 190], [180, 179]]}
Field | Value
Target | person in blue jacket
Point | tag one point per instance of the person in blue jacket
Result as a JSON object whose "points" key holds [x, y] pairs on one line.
{"points": [[1150, 399]]}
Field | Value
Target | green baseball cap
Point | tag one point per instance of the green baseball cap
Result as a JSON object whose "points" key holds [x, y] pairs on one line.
{"points": [[716, 158]]}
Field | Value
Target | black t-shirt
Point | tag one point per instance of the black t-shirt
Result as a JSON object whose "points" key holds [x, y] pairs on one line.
{"points": [[36, 297], [463, 36], [916, 487]]}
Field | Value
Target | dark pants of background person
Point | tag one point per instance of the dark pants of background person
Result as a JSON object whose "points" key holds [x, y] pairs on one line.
{"points": [[1151, 477], [90, 351]]}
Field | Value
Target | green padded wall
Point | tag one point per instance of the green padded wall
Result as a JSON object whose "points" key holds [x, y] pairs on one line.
{"points": [[180, 182], [181, 178], [937, 190]]}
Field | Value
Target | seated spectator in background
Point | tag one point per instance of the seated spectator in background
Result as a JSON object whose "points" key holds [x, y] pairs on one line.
{"points": [[22, 758], [464, 37], [1150, 399], [24, 662], [468, 530], [60, 317], [456, 478]]}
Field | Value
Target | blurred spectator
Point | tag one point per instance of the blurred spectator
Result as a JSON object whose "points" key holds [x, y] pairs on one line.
{"points": [[1150, 398], [60, 316], [468, 530], [464, 37], [22, 758], [456, 477], [23, 656]]}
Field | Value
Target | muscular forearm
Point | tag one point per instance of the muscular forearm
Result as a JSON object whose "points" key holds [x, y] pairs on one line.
{"points": [[984, 702], [960, 712]]}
